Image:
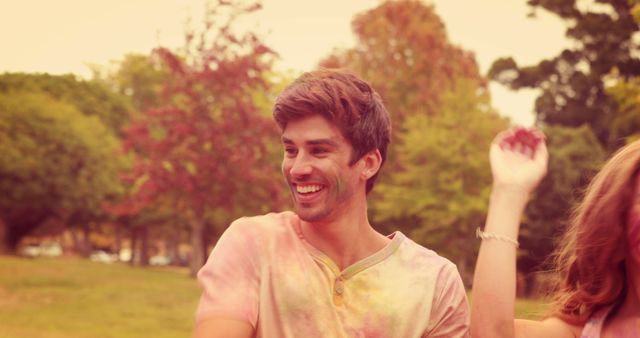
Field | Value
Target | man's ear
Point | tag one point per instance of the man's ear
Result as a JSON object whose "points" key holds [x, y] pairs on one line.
{"points": [[371, 162]]}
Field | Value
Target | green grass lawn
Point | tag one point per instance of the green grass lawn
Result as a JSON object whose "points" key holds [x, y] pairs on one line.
{"points": [[531, 309], [527, 308], [75, 298]]}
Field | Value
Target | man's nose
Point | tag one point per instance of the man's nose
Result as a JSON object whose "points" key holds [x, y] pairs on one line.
{"points": [[300, 166]]}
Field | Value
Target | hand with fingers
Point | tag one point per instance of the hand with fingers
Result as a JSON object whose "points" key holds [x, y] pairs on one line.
{"points": [[518, 159]]}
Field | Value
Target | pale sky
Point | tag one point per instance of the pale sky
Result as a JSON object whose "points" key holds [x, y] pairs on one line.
{"points": [[63, 36]]}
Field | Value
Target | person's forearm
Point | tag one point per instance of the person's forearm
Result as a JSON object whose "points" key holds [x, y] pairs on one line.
{"points": [[223, 328], [493, 294]]}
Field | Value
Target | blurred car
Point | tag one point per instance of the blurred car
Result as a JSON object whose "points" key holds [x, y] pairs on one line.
{"points": [[103, 257], [51, 249], [30, 251], [159, 260], [45, 249]]}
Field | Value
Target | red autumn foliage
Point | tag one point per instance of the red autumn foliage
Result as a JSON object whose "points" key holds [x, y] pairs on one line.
{"points": [[205, 144], [403, 50], [207, 137]]}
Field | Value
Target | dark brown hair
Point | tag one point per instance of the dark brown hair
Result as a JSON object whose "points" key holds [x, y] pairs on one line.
{"points": [[346, 101], [591, 257]]}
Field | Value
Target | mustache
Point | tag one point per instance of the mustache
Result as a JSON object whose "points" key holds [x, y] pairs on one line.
{"points": [[305, 179]]}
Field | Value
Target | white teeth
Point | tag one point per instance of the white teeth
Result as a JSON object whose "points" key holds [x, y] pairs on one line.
{"points": [[305, 189]]}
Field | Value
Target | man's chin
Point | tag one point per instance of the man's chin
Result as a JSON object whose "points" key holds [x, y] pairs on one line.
{"points": [[311, 216]]}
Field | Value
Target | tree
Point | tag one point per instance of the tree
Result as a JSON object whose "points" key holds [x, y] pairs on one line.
{"points": [[571, 83], [586, 107], [439, 191], [625, 91], [204, 146], [89, 97], [436, 182], [139, 77], [625, 125], [56, 163], [575, 155], [403, 51]]}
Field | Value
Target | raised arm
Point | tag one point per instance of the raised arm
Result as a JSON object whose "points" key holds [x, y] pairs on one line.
{"points": [[518, 163], [223, 328], [229, 280]]}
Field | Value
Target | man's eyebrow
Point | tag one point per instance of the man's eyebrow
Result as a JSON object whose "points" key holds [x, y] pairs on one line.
{"points": [[322, 141]]}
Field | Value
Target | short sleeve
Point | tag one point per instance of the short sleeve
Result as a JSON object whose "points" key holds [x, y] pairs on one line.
{"points": [[230, 277], [450, 310]]}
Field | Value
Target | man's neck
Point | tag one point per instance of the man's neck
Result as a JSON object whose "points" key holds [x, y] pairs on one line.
{"points": [[347, 239]]}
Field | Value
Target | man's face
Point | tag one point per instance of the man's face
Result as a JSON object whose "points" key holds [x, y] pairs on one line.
{"points": [[316, 168]]}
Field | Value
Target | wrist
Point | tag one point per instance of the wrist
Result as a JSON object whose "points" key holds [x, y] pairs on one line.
{"points": [[513, 190], [509, 194]]}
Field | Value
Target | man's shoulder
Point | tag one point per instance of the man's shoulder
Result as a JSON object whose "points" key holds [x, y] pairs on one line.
{"points": [[263, 225], [425, 257]]}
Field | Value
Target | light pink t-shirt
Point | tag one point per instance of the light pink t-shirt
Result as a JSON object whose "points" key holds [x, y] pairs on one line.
{"points": [[593, 327], [595, 324], [262, 271]]}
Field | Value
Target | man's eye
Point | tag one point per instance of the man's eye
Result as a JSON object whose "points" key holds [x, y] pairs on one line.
{"points": [[290, 151], [319, 151]]}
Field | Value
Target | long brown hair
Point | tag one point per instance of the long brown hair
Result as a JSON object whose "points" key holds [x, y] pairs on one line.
{"points": [[590, 259]]}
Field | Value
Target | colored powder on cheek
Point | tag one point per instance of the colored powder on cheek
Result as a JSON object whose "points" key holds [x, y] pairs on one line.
{"points": [[340, 187]]}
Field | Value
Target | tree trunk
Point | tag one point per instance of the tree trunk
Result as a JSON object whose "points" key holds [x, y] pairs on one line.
{"points": [[76, 241], [530, 285], [86, 240], [144, 245], [197, 246], [19, 224], [118, 240], [134, 244], [172, 247], [4, 247]]}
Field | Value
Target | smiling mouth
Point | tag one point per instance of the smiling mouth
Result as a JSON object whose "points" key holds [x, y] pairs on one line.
{"points": [[308, 189], [306, 193]]}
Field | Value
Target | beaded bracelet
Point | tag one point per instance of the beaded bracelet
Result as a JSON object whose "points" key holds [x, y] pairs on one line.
{"points": [[488, 235]]}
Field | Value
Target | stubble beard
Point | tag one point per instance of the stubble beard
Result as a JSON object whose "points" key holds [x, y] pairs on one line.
{"points": [[312, 216], [325, 209]]}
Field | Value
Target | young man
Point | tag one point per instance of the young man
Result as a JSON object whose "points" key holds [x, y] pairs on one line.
{"points": [[323, 271]]}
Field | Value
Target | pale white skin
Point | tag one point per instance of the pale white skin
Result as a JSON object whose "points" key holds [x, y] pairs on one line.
{"points": [[333, 219], [515, 174]]}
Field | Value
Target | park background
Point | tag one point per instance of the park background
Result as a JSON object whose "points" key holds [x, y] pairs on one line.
{"points": [[133, 133]]}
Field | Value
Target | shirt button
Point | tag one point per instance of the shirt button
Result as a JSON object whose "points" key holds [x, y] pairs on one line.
{"points": [[339, 288]]}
